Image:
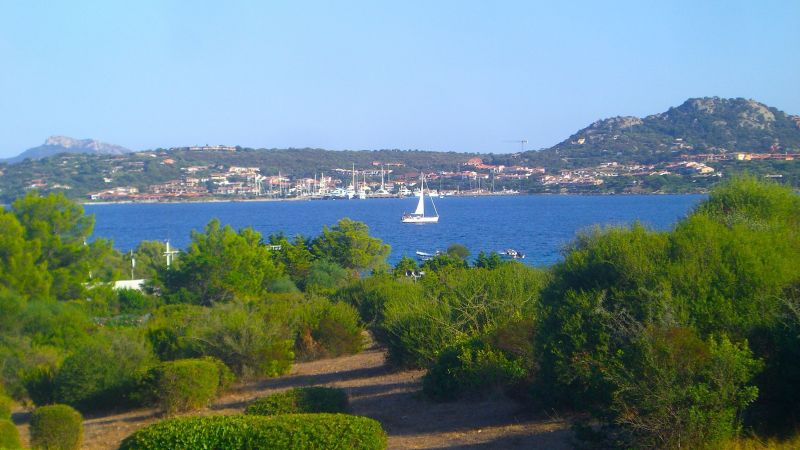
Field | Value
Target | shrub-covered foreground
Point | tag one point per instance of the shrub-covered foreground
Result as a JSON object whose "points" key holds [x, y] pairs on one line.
{"points": [[673, 339], [293, 431], [56, 427], [9, 435], [315, 399], [184, 385]]}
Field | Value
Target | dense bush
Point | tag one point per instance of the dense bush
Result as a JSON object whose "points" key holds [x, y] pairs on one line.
{"points": [[455, 306], [650, 331], [327, 329], [221, 265], [292, 431], [251, 338], [469, 369], [103, 373], [370, 295], [132, 301], [183, 385], [9, 435], [226, 377], [325, 277], [56, 427], [680, 392], [314, 399], [5, 406]]}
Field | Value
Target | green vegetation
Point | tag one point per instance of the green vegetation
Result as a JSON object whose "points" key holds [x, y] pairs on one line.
{"points": [[56, 427], [314, 399], [454, 305], [5, 406], [184, 385], [686, 338], [9, 435], [473, 368], [291, 431], [67, 337], [101, 374]]}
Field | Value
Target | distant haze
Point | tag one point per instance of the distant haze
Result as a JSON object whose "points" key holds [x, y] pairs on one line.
{"points": [[445, 75]]}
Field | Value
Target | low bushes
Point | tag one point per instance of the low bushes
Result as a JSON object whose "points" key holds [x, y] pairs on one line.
{"points": [[56, 427], [315, 399], [9, 435], [470, 369], [101, 374], [5, 406], [293, 431], [251, 338], [183, 385], [328, 329], [457, 305]]}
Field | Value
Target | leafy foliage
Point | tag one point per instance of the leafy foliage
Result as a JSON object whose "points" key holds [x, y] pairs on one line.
{"points": [[291, 431], [183, 385], [5, 406], [56, 427], [9, 435], [472, 368], [314, 399], [455, 306], [681, 392], [62, 231], [349, 244], [220, 265], [650, 330], [102, 373]]}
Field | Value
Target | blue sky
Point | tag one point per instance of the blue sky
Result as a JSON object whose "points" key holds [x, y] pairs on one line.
{"points": [[438, 75]]}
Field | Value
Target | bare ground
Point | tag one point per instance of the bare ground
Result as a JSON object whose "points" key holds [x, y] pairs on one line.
{"points": [[393, 398]]}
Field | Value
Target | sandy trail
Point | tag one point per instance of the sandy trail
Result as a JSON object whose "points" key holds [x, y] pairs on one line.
{"points": [[394, 398]]}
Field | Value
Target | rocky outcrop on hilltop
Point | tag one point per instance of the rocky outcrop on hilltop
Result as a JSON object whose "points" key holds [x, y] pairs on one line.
{"points": [[63, 144]]}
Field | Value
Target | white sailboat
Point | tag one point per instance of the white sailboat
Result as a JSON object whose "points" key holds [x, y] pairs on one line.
{"points": [[418, 216]]}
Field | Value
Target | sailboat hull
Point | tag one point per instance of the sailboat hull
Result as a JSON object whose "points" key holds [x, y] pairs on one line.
{"points": [[419, 219]]}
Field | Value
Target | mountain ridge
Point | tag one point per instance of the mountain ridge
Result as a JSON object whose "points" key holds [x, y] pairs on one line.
{"points": [[699, 125], [54, 145]]}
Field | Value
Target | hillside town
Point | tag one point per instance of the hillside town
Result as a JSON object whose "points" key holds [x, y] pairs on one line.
{"points": [[384, 179]]}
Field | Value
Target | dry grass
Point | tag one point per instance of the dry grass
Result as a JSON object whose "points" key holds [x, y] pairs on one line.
{"points": [[755, 443]]}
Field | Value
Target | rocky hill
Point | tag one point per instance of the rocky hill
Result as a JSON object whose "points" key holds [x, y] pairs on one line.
{"points": [[63, 144], [699, 125]]}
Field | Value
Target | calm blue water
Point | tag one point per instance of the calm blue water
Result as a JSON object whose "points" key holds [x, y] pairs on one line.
{"points": [[538, 226]]}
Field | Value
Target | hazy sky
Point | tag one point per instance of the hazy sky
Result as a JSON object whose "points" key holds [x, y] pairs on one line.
{"points": [[438, 75]]}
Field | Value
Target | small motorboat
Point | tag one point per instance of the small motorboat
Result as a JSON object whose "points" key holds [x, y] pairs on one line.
{"points": [[424, 256], [511, 253]]}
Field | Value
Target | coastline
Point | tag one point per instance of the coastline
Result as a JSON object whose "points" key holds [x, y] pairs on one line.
{"points": [[302, 199]]}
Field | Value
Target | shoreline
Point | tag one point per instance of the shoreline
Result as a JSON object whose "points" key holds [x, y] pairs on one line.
{"points": [[299, 199]]}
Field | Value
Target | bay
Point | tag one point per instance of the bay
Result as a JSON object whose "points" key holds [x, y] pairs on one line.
{"points": [[537, 225]]}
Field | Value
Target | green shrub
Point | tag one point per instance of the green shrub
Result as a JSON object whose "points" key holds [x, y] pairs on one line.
{"points": [[328, 330], [39, 382], [9, 435], [292, 431], [5, 406], [102, 374], [369, 295], [301, 400], [226, 376], [56, 427], [681, 392], [457, 305], [470, 369], [132, 301], [182, 385]]}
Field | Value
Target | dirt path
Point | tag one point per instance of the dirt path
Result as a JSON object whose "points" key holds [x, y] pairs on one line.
{"points": [[391, 397]]}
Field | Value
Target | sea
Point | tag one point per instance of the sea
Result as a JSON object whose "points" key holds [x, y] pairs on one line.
{"points": [[539, 226]]}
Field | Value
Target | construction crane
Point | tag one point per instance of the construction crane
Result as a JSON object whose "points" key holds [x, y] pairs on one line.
{"points": [[521, 142]]}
